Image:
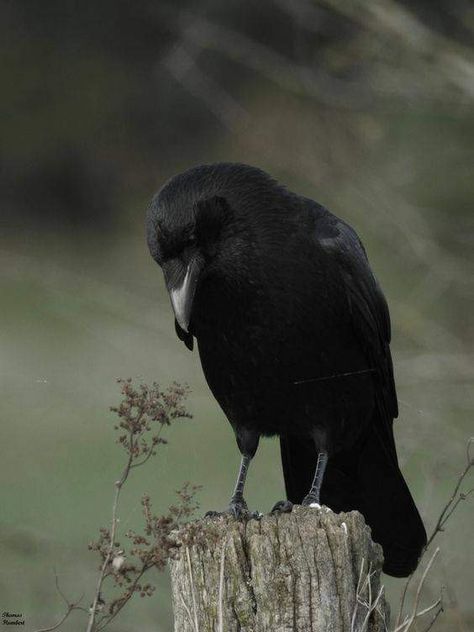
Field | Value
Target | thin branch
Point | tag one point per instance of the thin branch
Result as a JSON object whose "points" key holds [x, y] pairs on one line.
{"points": [[434, 605], [143, 461], [368, 604], [444, 516], [447, 512], [109, 618], [113, 529], [402, 600], [354, 612], [137, 411], [56, 581], [60, 622], [433, 620], [150, 453], [462, 496], [372, 607], [405, 626], [70, 606]]}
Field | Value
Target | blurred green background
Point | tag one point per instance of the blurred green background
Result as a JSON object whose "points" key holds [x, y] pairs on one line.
{"points": [[366, 107]]}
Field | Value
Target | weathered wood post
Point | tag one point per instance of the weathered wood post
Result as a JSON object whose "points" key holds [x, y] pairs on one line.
{"points": [[310, 570]]}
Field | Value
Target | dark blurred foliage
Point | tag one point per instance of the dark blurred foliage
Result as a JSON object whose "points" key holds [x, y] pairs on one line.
{"points": [[90, 113]]}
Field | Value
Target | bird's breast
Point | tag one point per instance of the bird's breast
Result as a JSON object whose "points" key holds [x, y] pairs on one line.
{"points": [[274, 353]]}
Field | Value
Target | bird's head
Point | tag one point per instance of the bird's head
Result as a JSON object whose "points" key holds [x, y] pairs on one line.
{"points": [[206, 221], [184, 245]]}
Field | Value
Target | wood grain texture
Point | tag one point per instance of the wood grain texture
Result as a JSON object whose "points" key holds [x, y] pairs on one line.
{"points": [[297, 571]]}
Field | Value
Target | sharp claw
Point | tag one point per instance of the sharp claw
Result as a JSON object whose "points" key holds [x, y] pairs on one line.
{"points": [[282, 506], [213, 514], [238, 509]]}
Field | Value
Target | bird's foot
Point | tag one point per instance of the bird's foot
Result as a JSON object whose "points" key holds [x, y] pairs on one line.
{"points": [[282, 506], [311, 501], [238, 509]]}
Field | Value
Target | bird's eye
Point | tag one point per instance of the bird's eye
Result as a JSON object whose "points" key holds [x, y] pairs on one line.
{"points": [[191, 239]]}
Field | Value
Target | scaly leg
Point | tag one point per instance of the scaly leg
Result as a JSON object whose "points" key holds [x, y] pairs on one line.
{"points": [[248, 443], [313, 496], [238, 506]]}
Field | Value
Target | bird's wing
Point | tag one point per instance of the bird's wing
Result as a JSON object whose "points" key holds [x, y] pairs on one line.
{"points": [[366, 302]]}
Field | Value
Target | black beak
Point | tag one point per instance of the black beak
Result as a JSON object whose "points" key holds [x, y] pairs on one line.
{"points": [[181, 282]]}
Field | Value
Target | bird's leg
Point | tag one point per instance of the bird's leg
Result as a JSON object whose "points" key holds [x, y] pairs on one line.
{"points": [[237, 505], [312, 498], [247, 441]]}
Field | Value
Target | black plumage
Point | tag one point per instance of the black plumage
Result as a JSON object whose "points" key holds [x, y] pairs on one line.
{"points": [[293, 333]]}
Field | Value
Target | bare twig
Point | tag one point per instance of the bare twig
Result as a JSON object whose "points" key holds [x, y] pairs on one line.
{"points": [[149, 453], [142, 414], [106, 619], [455, 499], [369, 604], [70, 606], [406, 625], [434, 605], [60, 622], [433, 620], [356, 605], [113, 529]]}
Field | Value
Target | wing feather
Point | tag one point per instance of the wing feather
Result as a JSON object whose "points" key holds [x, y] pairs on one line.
{"points": [[366, 303]]}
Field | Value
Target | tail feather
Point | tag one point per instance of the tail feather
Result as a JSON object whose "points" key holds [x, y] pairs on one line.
{"points": [[368, 479]]}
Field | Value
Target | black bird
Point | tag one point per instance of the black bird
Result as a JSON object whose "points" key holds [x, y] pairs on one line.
{"points": [[293, 334]]}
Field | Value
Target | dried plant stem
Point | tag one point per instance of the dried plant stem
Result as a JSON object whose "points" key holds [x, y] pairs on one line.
{"points": [[454, 500], [358, 592], [403, 600], [369, 604], [108, 619], [70, 608], [433, 620], [405, 626], [113, 531], [142, 414]]}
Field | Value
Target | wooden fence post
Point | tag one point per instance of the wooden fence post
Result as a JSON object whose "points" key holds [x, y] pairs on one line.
{"points": [[310, 571]]}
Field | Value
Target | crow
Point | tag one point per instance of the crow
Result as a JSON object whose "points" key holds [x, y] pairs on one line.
{"points": [[293, 333]]}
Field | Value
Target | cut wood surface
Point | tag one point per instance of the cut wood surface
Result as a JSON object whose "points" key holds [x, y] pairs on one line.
{"points": [[308, 570]]}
